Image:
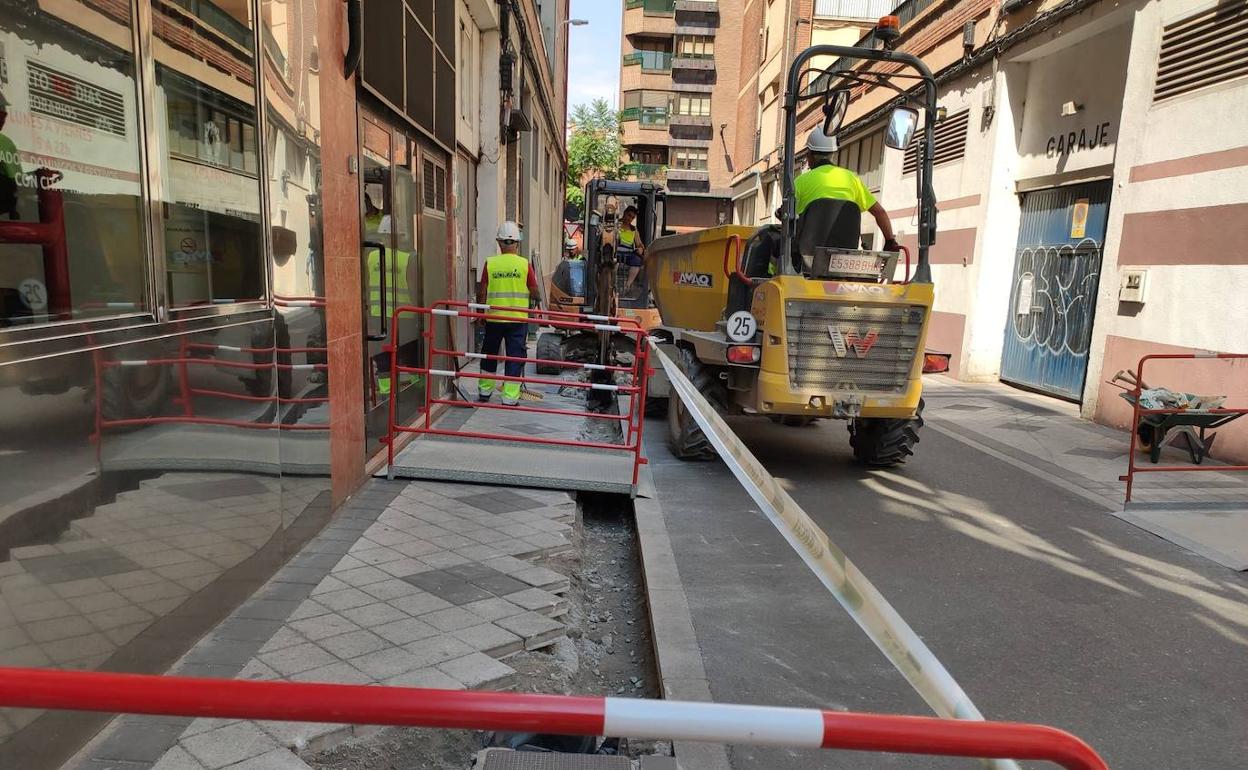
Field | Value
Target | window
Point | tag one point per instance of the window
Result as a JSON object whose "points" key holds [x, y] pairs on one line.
{"points": [[536, 152], [654, 55], [695, 46], [433, 180], [864, 157], [648, 156], [689, 158], [651, 108], [213, 248], [695, 106], [546, 166], [69, 134]]}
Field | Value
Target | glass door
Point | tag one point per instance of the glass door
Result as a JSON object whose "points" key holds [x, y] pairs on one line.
{"points": [[390, 273]]}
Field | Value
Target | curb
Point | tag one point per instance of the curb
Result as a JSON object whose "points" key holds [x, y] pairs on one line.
{"points": [[676, 650]]}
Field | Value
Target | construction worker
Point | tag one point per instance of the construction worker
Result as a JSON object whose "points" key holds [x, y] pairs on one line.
{"points": [[400, 282], [631, 250], [507, 281], [572, 250], [825, 179]]}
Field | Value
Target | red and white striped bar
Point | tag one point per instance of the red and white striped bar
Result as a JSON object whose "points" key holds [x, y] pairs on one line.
{"points": [[557, 714]]}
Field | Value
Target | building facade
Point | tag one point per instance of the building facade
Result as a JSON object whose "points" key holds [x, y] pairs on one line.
{"points": [[775, 31], [1091, 183], [677, 97], [209, 211]]}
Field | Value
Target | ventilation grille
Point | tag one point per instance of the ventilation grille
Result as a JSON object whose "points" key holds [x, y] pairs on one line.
{"points": [[1203, 50], [950, 142], [834, 346]]}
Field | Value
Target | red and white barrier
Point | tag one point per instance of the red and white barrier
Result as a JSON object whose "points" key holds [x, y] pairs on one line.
{"points": [[558, 714]]}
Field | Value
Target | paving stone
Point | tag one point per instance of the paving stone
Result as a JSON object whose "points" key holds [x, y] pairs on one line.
{"points": [[292, 660], [385, 664], [445, 559], [508, 565], [137, 741], [308, 609], [228, 745], [420, 604], [284, 637], [72, 588], [451, 619], [335, 673], [177, 758], [59, 628], [436, 649], [548, 541], [478, 670], [375, 614], [267, 609], [428, 678], [288, 591], [257, 671], [404, 568], [379, 555], [402, 632], [490, 639], [417, 547], [345, 599], [354, 644], [329, 584], [481, 553], [390, 588], [280, 759], [545, 579], [362, 576], [324, 626], [540, 601], [537, 630], [293, 735], [493, 608]]}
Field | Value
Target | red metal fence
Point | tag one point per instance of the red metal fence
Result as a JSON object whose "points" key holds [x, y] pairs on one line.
{"points": [[634, 375], [1138, 412], [558, 714]]}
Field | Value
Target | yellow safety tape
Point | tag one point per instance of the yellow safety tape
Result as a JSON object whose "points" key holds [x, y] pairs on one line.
{"points": [[862, 600]]}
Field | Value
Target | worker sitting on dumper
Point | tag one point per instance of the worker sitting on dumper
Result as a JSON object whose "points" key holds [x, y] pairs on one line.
{"points": [[508, 285], [572, 250], [630, 250], [825, 179]]}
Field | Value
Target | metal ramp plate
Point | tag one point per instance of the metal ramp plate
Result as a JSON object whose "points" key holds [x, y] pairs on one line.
{"points": [[514, 463], [520, 463]]}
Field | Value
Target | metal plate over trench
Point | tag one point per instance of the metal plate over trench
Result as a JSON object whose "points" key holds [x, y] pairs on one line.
{"points": [[516, 464]]}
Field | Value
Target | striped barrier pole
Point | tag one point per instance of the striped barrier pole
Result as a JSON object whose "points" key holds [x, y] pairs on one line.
{"points": [[855, 593], [558, 714]]}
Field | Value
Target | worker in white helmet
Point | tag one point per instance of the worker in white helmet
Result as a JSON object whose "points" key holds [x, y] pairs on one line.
{"points": [[509, 286], [825, 179]]}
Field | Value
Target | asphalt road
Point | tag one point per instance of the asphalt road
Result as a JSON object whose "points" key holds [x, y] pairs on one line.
{"points": [[1042, 606]]}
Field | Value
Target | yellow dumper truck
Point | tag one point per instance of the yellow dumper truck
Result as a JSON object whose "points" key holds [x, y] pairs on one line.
{"points": [[794, 321]]}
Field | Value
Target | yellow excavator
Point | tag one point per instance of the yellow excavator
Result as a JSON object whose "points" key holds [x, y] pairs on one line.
{"points": [[795, 322]]}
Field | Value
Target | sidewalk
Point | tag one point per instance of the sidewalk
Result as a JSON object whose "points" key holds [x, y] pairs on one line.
{"points": [[422, 584], [1205, 512]]}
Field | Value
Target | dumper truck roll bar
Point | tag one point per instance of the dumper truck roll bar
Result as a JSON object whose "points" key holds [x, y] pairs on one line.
{"points": [[838, 81]]}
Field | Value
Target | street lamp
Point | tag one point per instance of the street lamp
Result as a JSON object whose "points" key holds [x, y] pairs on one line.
{"points": [[576, 22]]}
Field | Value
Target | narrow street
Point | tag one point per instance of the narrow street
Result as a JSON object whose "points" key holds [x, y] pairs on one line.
{"points": [[1041, 604]]}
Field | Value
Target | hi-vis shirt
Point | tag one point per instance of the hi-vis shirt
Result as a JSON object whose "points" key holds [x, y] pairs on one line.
{"points": [[831, 181], [508, 280]]}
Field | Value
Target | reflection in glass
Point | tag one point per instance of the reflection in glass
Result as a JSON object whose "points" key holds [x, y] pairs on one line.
{"points": [[901, 125], [71, 234], [210, 166]]}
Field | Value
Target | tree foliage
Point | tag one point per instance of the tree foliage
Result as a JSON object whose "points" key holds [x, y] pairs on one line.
{"points": [[593, 146]]}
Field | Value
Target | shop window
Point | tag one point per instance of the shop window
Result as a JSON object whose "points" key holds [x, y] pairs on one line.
{"points": [[71, 226]]}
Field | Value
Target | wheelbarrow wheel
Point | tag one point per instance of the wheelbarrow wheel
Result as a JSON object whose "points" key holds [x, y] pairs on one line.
{"points": [[1145, 436]]}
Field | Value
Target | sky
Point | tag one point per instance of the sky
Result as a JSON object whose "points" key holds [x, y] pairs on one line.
{"points": [[594, 52]]}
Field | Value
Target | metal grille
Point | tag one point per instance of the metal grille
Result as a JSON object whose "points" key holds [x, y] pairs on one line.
{"points": [[836, 346], [75, 100], [949, 142], [1202, 50]]}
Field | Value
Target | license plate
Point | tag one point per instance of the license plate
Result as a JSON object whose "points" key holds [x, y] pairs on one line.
{"points": [[854, 264]]}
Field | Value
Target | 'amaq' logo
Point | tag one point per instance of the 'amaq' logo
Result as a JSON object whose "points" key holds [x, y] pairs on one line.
{"points": [[847, 338], [700, 280]]}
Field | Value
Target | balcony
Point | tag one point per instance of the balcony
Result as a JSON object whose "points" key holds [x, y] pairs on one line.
{"points": [[644, 172], [697, 30], [693, 88], [650, 61], [697, 6], [700, 63], [690, 120], [688, 175], [658, 7], [853, 9], [689, 141]]}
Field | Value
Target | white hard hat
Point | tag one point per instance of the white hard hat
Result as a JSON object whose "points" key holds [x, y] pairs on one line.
{"points": [[508, 231], [820, 142], [570, 243]]}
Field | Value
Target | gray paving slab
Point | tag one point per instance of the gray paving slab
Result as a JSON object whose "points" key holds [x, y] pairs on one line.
{"points": [[1218, 534]]}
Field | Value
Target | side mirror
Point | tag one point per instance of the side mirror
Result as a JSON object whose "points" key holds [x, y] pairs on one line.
{"points": [[902, 124], [595, 219]]}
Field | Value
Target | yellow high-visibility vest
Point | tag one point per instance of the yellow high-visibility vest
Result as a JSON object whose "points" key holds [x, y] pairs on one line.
{"points": [[508, 286], [396, 280]]}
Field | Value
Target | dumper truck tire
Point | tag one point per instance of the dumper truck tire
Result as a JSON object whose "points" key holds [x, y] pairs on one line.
{"points": [[550, 348], [684, 437], [882, 442]]}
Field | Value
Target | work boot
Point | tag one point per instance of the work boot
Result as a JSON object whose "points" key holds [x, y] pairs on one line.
{"points": [[484, 398]]}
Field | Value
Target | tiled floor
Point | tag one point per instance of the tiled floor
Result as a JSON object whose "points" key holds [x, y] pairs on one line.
{"points": [[420, 584]]}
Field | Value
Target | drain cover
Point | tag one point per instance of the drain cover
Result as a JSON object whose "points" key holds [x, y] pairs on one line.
{"points": [[506, 759]]}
